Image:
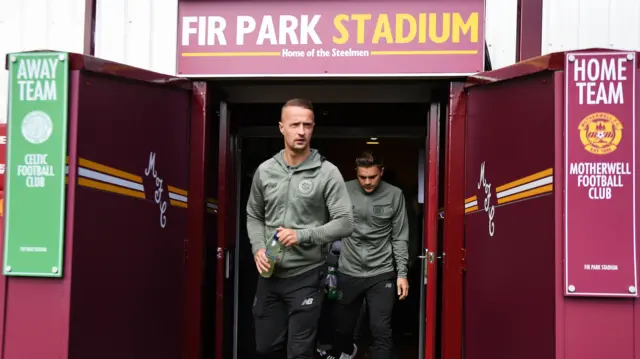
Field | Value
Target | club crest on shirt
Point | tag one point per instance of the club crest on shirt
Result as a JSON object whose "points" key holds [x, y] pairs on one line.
{"points": [[378, 210], [305, 186]]}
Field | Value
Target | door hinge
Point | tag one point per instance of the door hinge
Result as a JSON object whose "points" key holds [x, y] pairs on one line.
{"points": [[463, 261], [186, 251]]}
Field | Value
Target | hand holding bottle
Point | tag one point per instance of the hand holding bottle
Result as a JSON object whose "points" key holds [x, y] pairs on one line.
{"points": [[262, 263], [272, 254]]}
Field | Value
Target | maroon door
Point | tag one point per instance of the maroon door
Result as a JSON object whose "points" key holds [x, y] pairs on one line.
{"points": [[226, 234], [127, 232], [454, 265], [431, 229], [128, 212], [213, 227], [202, 218], [134, 226]]}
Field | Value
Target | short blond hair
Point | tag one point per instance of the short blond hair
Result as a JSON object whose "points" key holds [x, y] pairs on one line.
{"points": [[299, 102]]}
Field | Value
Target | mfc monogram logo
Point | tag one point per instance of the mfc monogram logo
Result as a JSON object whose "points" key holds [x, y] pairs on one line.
{"points": [[157, 196], [487, 200]]}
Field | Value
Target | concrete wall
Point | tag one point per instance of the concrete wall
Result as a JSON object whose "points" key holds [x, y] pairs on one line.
{"points": [[37, 25]]}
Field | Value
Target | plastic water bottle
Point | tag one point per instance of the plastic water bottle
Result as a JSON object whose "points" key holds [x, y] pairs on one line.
{"points": [[332, 283], [274, 254]]}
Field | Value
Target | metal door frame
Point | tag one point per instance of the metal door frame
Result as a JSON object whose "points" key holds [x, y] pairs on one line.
{"points": [[332, 132]]}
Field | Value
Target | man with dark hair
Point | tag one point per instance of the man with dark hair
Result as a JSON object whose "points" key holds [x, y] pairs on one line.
{"points": [[373, 260], [302, 198]]}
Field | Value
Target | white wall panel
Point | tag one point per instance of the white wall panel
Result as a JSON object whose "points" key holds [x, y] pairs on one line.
{"points": [[578, 24], [501, 28], [37, 25], [140, 33], [566, 25], [143, 33]]}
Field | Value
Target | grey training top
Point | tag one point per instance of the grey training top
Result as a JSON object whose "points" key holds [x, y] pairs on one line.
{"points": [[380, 239], [311, 198]]}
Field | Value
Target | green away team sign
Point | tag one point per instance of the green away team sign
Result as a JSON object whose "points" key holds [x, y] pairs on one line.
{"points": [[35, 172]]}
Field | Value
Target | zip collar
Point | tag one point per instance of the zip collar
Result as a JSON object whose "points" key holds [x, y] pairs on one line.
{"points": [[314, 160]]}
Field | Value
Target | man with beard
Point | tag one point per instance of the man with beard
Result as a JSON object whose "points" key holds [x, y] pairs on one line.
{"points": [[302, 198], [373, 260]]}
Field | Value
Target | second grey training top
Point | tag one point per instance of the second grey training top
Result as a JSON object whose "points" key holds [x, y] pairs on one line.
{"points": [[380, 239]]}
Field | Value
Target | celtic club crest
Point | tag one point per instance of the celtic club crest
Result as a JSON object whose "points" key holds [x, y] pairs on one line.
{"points": [[305, 186]]}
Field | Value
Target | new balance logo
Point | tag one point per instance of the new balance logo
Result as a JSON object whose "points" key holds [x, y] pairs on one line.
{"points": [[388, 285], [307, 301]]}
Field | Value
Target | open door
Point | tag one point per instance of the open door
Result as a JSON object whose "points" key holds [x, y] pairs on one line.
{"points": [[200, 306], [227, 234], [130, 245], [430, 257], [207, 275], [131, 272], [140, 217], [454, 264], [444, 257]]}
